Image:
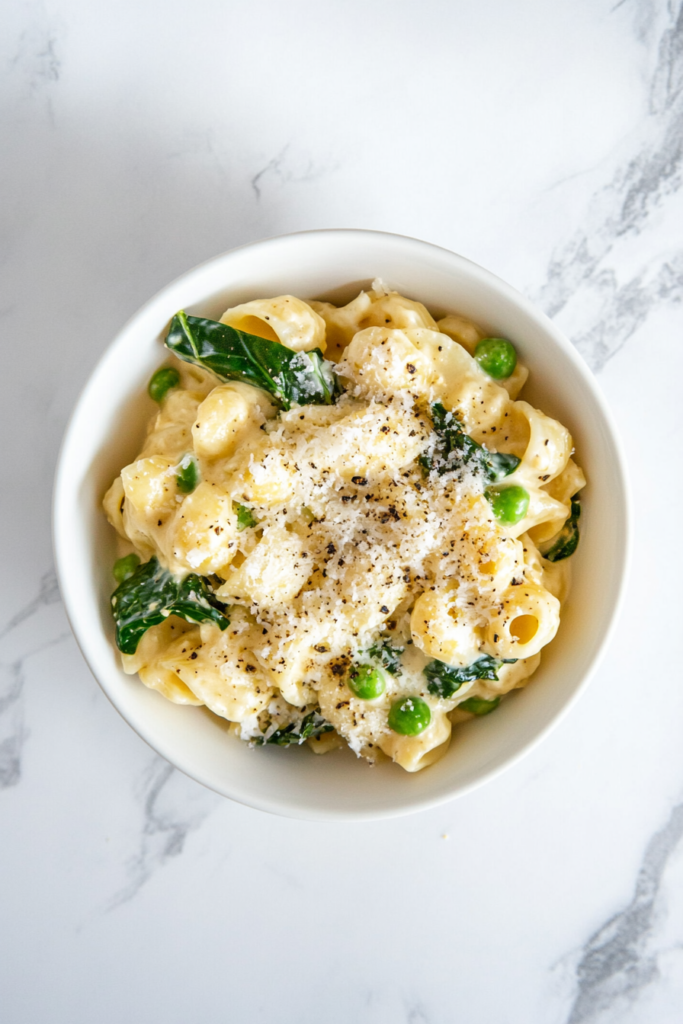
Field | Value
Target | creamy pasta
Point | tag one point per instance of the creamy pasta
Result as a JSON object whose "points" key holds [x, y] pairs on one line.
{"points": [[363, 549]]}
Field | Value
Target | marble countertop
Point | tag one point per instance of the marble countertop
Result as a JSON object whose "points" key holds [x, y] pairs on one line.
{"points": [[544, 141]]}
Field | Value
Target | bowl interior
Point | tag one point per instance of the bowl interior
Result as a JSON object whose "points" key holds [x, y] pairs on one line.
{"points": [[105, 433]]}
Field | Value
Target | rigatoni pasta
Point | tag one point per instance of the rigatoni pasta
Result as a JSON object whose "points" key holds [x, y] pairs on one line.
{"points": [[364, 551]]}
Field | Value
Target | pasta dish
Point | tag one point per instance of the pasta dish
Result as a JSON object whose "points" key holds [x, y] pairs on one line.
{"points": [[343, 526]]}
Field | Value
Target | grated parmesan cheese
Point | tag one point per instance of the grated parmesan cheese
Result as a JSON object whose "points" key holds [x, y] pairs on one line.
{"points": [[351, 542]]}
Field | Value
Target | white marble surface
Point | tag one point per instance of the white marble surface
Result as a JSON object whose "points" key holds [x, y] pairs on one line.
{"points": [[543, 140]]}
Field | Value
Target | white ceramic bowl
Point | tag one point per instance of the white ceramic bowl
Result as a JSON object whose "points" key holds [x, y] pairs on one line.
{"points": [[105, 433]]}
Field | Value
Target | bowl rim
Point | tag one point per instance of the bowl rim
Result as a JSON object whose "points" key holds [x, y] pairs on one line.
{"points": [[63, 491]]}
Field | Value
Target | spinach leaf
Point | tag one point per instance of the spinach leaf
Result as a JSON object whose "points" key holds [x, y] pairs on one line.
{"points": [[388, 655], [568, 539], [455, 449], [245, 516], [311, 726], [304, 378], [151, 594], [444, 680]]}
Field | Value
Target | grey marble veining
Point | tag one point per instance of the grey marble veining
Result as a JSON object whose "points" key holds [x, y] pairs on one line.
{"points": [[583, 271], [48, 594], [284, 169], [34, 63], [172, 807], [14, 653], [417, 1014], [616, 964], [13, 722]]}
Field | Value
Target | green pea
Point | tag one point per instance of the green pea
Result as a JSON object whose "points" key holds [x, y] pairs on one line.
{"points": [[409, 716], [125, 567], [479, 706], [188, 477], [367, 682], [509, 504], [161, 382], [497, 357]]}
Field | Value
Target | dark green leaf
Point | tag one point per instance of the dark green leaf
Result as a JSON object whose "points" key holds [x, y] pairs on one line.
{"points": [[444, 680], [455, 449], [151, 594], [302, 378], [568, 538], [245, 516], [499, 464], [388, 655], [479, 706], [311, 726]]}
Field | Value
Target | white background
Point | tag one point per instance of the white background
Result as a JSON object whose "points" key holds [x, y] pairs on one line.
{"points": [[544, 141]]}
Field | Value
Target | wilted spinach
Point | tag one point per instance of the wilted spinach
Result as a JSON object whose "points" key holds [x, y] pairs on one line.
{"points": [[455, 449], [568, 539], [151, 594], [443, 680], [311, 726], [388, 655], [302, 378]]}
